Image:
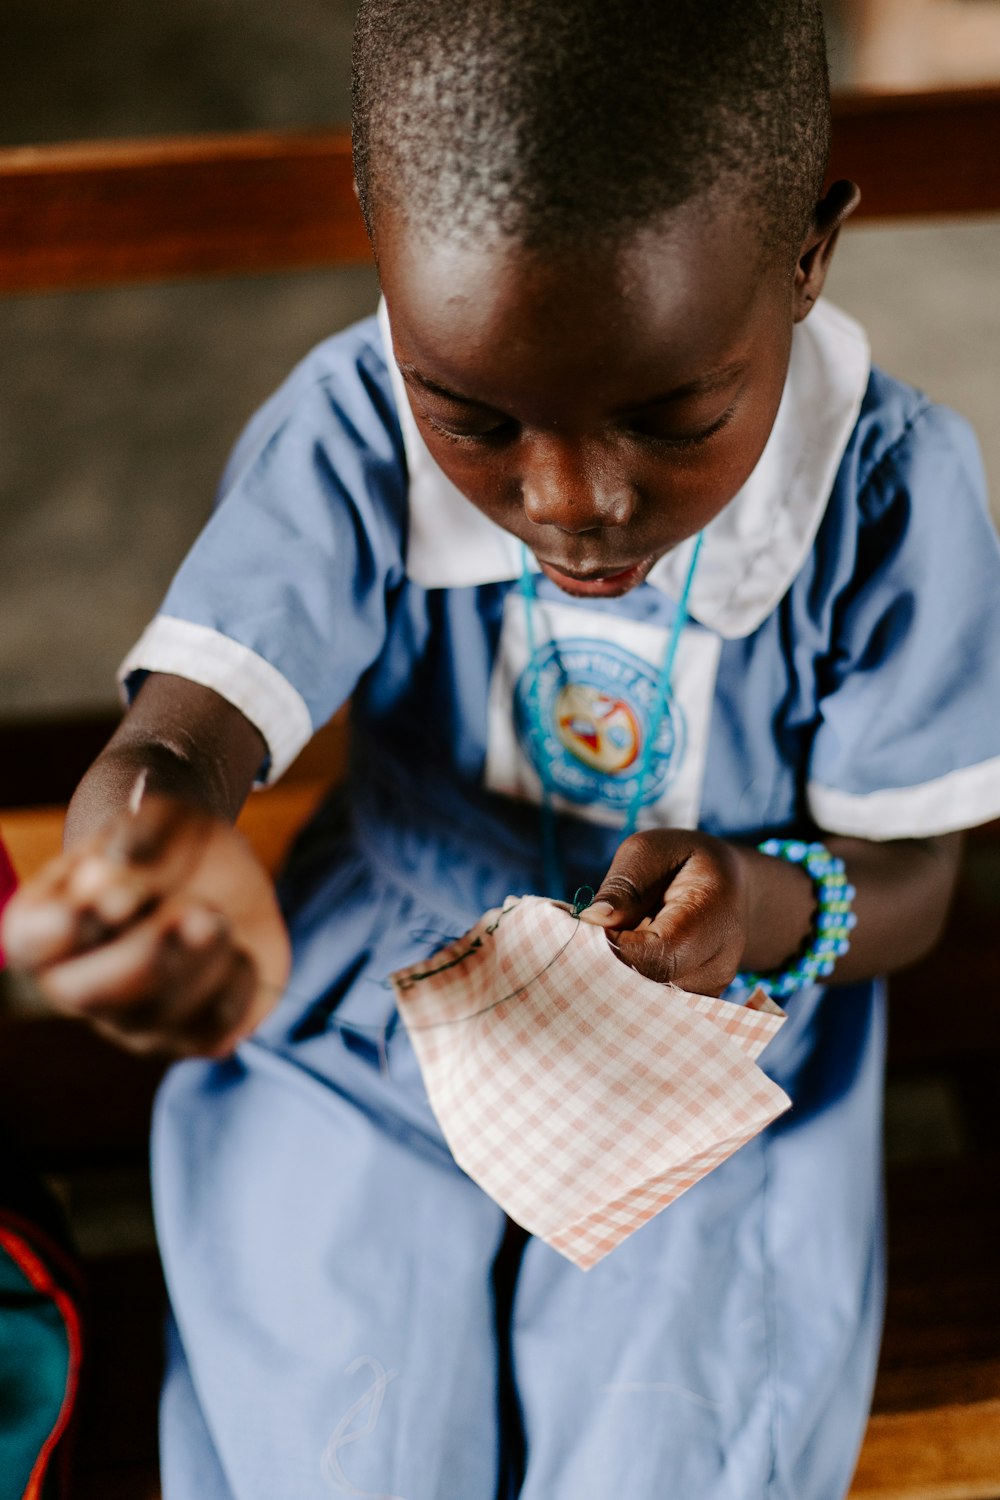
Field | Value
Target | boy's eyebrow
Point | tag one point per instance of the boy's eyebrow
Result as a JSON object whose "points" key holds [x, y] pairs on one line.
{"points": [[410, 372], [703, 385]]}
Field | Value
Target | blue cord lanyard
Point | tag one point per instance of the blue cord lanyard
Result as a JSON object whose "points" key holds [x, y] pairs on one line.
{"points": [[554, 881]]}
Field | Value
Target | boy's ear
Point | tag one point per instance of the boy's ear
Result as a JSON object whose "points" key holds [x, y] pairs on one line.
{"points": [[832, 210]]}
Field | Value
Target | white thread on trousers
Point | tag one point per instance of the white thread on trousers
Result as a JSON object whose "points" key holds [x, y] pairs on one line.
{"points": [[344, 1433], [663, 1385]]}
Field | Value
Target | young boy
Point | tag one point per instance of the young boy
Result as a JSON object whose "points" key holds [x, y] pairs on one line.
{"points": [[601, 230]]}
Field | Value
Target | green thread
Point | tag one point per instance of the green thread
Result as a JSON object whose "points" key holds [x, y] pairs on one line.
{"points": [[580, 903]]}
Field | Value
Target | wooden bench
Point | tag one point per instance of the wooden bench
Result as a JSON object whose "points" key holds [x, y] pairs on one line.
{"points": [[85, 215]]}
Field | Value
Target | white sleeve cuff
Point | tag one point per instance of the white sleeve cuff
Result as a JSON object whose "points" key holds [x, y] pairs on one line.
{"points": [[233, 671], [961, 799]]}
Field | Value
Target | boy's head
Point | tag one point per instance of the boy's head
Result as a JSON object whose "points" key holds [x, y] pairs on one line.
{"points": [[595, 224]]}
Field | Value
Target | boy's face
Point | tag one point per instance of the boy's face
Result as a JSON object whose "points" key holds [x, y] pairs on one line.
{"points": [[604, 406]]}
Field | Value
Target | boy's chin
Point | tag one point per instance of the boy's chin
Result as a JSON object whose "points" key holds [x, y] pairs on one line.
{"points": [[604, 586]]}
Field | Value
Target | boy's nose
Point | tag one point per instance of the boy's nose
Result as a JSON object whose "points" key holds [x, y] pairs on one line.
{"points": [[575, 490]]}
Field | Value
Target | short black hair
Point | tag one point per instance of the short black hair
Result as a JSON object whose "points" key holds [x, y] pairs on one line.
{"points": [[562, 121]]}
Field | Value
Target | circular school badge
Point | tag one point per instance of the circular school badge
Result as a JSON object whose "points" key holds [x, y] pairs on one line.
{"points": [[594, 702]]}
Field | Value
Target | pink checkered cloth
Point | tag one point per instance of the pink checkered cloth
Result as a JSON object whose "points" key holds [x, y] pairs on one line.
{"points": [[581, 1096]]}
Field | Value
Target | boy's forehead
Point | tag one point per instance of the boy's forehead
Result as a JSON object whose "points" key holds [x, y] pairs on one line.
{"points": [[669, 301]]}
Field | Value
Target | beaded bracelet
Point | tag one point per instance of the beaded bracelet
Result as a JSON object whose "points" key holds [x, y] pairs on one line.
{"points": [[834, 919]]}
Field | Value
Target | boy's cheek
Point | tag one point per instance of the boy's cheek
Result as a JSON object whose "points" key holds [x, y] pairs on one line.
{"points": [[677, 490], [490, 481]]}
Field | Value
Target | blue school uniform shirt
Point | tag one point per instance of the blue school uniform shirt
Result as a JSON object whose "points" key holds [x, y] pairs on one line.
{"points": [[841, 665]]}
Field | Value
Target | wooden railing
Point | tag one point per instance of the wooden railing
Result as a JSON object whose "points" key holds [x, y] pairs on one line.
{"points": [[106, 212]]}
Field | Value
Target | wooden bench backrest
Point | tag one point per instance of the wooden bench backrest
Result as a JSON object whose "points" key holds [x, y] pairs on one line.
{"points": [[105, 213]]}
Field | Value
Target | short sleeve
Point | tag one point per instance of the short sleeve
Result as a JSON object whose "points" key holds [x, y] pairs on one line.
{"points": [[907, 743], [281, 605]]}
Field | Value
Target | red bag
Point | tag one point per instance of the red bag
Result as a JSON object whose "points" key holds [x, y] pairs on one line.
{"points": [[8, 882]]}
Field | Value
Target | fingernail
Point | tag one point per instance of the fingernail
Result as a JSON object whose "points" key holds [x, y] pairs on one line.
{"points": [[598, 911], [199, 926], [90, 877], [27, 926], [117, 904]]}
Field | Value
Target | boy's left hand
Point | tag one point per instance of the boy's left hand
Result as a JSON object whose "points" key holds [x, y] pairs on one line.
{"points": [[675, 905], [688, 909]]}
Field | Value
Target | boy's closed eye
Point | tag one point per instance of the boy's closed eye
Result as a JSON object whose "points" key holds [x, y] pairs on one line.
{"points": [[600, 408], [660, 424], [676, 421], [473, 424]]}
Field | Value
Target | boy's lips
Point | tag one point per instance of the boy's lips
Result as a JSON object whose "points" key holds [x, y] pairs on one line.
{"points": [[599, 585]]}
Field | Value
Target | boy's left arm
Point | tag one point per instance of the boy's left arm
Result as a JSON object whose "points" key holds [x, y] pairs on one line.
{"points": [[694, 910], [902, 606]]}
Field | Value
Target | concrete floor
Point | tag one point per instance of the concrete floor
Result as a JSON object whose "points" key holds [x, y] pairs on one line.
{"points": [[117, 408]]}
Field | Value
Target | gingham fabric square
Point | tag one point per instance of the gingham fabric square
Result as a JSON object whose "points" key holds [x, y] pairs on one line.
{"points": [[581, 1096]]}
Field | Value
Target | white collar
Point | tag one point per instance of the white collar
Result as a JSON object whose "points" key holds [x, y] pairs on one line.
{"points": [[753, 549]]}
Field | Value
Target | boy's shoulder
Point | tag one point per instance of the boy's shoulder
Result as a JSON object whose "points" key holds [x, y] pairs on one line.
{"points": [[903, 441], [341, 387], [356, 352], [908, 510]]}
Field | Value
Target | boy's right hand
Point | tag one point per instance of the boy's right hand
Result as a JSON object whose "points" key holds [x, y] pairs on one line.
{"points": [[162, 930]]}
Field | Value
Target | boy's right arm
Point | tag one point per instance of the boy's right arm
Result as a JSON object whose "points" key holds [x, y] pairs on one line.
{"points": [[186, 740], [157, 924]]}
